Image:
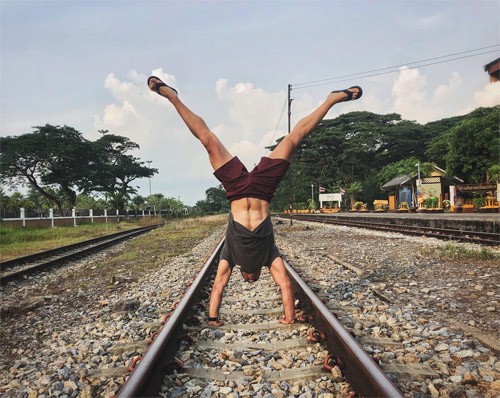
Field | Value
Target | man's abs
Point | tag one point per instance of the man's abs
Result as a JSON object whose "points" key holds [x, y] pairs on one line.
{"points": [[250, 212]]}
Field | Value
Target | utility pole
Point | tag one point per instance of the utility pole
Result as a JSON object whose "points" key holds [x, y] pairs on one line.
{"points": [[290, 199], [149, 166], [312, 195]]}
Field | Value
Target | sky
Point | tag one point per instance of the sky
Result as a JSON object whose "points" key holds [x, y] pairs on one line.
{"points": [[85, 64]]}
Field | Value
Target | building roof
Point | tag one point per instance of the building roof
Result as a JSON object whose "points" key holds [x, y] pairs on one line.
{"points": [[396, 182], [487, 66]]}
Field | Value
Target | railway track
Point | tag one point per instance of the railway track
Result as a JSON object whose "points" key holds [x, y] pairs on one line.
{"points": [[27, 265], [186, 356], [482, 238]]}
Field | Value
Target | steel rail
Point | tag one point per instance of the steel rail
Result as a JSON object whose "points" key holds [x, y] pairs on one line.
{"points": [[147, 377], [44, 254], [361, 371], [486, 238], [92, 245], [364, 375]]}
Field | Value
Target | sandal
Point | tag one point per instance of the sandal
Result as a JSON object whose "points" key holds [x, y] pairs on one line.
{"points": [[157, 86], [350, 93]]}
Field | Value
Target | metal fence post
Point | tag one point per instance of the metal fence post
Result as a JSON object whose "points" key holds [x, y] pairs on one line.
{"points": [[23, 216], [73, 214], [106, 215], [91, 214], [51, 215]]}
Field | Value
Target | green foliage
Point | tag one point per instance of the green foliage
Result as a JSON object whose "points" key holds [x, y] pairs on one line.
{"points": [[137, 202], [215, 201], [403, 167], [159, 202], [59, 163], [478, 202], [369, 150], [474, 145], [86, 202], [494, 173], [311, 204]]}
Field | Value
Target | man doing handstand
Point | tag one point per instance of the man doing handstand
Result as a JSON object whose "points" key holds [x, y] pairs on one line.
{"points": [[249, 239]]}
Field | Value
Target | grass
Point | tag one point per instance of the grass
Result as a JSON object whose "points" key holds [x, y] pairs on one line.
{"points": [[17, 242], [453, 251], [174, 238], [144, 253]]}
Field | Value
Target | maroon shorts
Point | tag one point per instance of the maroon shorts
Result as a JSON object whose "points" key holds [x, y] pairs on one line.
{"points": [[260, 183]]}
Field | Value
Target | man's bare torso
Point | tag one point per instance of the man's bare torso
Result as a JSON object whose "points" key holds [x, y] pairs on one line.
{"points": [[250, 212]]}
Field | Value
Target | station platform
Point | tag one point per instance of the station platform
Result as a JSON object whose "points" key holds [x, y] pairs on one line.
{"points": [[483, 222]]}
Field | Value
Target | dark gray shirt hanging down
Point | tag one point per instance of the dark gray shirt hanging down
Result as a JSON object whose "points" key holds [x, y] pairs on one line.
{"points": [[251, 250]]}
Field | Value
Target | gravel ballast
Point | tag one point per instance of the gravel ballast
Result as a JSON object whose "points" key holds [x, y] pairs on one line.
{"points": [[443, 312]]}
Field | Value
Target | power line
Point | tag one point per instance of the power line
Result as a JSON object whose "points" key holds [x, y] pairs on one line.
{"points": [[389, 69], [281, 115]]}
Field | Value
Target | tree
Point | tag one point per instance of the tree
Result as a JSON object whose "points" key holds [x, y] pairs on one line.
{"points": [[474, 145], [53, 156], [215, 201], [86, 202], [137, 202], [437, 137], [404, 167], [350, 148], [494, 173], [113, 170]]}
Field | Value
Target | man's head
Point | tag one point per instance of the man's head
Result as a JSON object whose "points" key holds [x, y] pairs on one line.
{"points": [[250, 277]]}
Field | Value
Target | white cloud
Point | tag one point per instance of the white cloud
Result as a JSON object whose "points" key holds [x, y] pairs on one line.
{"points": [[413, 101], [115, 116], [489, 95], [408, 90], [444, 91], [118, 89]]}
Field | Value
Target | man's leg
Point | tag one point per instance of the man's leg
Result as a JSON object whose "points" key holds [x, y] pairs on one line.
{"points": [[291, 141], [217, 153], [278, 272], [221, 281]]}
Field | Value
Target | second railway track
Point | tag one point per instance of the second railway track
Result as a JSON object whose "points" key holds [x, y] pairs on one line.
{"points": [[482, 238], [23, 266]]}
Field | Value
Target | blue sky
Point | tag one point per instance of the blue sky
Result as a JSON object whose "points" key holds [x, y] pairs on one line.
{"points": [[85, 64]]}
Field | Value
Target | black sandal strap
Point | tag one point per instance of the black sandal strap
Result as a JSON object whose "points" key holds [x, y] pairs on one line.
{"points": [[157, 87], [349, 94], [160, 84], [213, 319]]}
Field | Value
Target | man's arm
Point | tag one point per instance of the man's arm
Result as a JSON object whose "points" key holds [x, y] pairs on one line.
{"points": [[278, 272], [221, 281]]}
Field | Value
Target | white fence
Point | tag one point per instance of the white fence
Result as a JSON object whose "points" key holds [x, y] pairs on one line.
{"points": [[75, 219]]}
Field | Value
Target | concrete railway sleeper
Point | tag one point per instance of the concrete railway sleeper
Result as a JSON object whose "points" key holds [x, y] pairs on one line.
{"points": [[252, 352], [30, 264]]}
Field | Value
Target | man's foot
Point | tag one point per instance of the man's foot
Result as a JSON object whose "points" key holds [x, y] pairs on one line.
{"points": [[286, 322], [155, 84], [350, 94]]}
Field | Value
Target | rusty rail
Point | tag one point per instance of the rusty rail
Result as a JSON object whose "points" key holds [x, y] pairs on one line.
{"points": [[147, 378], [364, 375]]}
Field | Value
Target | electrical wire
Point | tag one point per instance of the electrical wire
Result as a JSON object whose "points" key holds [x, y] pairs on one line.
{"points": [[389, 69], [281, 115]]}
